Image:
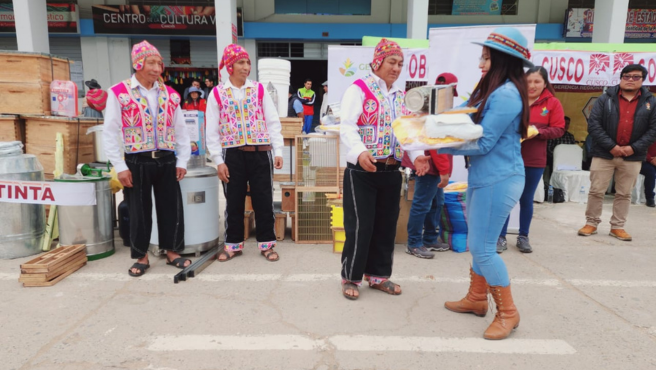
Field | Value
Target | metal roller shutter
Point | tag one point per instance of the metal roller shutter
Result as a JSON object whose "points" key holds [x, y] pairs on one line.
{"points": [[203, 54], [8, 43]]}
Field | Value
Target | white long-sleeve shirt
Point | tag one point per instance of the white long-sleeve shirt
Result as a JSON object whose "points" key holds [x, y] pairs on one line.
{"points": [[351, 109], [113, 126], [213, 114]]}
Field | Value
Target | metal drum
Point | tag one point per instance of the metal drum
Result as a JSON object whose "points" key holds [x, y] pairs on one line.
{"points": [[200, 197], [98, 146], [90, 225], [22, 226]]}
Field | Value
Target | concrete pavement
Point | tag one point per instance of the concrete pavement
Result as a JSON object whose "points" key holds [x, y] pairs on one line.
{"points": [[584, 303]]}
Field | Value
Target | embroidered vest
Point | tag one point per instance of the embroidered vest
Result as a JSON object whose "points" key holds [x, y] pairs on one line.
{"points": [[375, 122], [242, 122], [140, 132]]}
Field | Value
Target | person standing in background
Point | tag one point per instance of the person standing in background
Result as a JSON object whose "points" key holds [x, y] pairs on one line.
{"points": [[622, 125], [209, 85], [324, 101], [307, 96], [194, 101], [548, 117], [648, 170], [294, 106]]}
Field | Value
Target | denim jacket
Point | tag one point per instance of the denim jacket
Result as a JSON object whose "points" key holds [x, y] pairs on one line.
{"points": [[497, 155]]}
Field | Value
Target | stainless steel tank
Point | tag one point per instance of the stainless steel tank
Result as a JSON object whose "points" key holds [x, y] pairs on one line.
{"points": [[90, 225], [200, 199], [22, 226]]}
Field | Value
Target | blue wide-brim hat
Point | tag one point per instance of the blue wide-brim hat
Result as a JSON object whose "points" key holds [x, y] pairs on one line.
{"points": [[510, 41]]}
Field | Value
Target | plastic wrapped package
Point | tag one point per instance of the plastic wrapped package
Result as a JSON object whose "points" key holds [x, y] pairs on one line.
{"points": [[453, 220], [436, 131]]}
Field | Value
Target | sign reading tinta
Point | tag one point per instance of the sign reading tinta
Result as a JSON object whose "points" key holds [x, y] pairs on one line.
{"points": [[154, 19]]}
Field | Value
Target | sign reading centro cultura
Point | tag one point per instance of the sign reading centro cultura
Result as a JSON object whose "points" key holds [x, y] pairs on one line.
{"points": [[154, 19]]}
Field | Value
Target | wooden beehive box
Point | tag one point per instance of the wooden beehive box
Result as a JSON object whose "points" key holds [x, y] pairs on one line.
{"points": [[12, 128], [33, 68], [291, 126], [40, 136], [25, 97], [288, 196]]}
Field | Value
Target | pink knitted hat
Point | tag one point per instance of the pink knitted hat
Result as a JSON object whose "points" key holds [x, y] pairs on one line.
{"points": [[97, 99], [140, 52], [384, 49], [231, 54]]}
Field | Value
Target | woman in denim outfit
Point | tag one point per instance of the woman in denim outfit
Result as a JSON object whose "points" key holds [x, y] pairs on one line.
{"points": [[496, 175]]}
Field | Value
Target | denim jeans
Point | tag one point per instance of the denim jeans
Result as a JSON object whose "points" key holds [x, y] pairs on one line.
{"points": [[425, 211], [533, 175], [487, 209], [649, 171]]}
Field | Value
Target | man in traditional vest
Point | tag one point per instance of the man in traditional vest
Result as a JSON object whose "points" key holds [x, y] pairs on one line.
{"points": [[372, 181], [245, 140], [146, 115]]}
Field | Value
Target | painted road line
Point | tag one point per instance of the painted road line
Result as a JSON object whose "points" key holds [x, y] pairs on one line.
{"points": [[303, 278], [614, 283], [359, 343], [234, 343]]}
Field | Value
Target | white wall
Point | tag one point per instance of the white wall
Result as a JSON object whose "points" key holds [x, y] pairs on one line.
{"points": [[107, 59]]}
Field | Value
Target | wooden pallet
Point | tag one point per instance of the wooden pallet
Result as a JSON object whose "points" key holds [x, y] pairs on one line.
{"points": [[52, 267]]}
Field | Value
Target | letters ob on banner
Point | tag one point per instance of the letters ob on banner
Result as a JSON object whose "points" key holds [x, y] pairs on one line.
{"points": [[51, 193], [348, 63]]}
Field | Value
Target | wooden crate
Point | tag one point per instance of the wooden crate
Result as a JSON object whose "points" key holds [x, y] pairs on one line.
{"points": [[280, 225], [24, 98], [249, 223], [291, 126], [288, 196], [50, 268], [339, 237], [33, 68], [40, 136], [402, 222], [12, 128]]}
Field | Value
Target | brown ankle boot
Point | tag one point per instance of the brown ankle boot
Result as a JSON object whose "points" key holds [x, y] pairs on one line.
{"points": [[506, 318], [476, 299]]}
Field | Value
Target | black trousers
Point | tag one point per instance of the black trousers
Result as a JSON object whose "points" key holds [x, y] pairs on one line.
{"points": [[371, 210], [156, 176], [254, 169]]}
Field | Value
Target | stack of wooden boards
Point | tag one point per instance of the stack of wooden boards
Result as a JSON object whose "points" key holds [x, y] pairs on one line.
{"points": [[52, 267], [25, 81]]}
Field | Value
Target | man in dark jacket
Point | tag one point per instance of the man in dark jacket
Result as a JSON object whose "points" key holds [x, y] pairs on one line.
{"points": [[294, 106], [623, 126]]}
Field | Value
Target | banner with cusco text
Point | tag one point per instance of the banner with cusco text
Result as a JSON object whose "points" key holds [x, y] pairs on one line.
{"points": [[592, 68], [47, 192]]}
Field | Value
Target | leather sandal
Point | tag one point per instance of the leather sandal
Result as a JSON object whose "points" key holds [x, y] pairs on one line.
{"points": [[270, 252], [178, 262], [139, 266], [353, 287], [227, 255], [386, 286]]}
